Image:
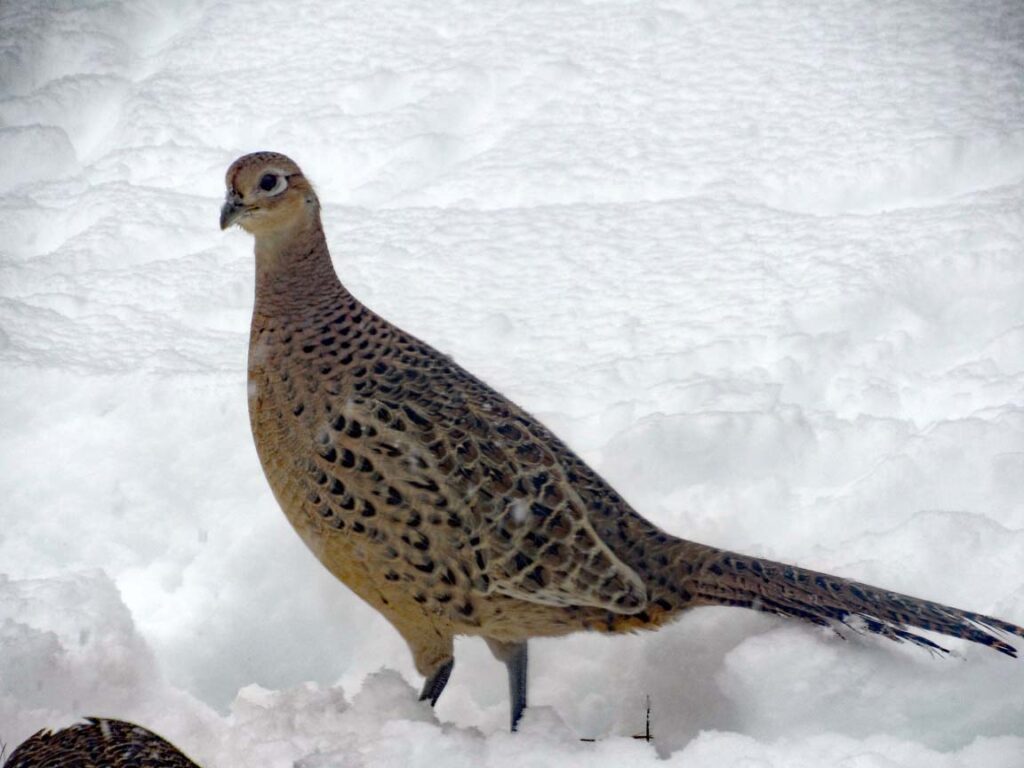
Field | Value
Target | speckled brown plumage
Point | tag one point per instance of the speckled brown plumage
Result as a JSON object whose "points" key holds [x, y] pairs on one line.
{"points": [[98, 743], [451, 510]]}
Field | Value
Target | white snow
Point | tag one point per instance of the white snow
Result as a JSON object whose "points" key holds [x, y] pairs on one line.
{"points": [[760, 263], [519, 510]]}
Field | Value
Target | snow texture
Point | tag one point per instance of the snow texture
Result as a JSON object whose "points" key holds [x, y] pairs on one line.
{"points": [[760, 263]]}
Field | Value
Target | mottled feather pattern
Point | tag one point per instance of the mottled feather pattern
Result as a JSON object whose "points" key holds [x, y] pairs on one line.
{"points": [[453, 511], [827, 600], [487, 496], [98, 743]]}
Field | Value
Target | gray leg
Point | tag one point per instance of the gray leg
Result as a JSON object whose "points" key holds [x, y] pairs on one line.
{"points": [[517, 683], [436, 682], [515, 657]]}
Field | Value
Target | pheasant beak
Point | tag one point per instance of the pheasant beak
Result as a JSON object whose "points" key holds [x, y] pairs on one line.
{"points": [[231, 210]]}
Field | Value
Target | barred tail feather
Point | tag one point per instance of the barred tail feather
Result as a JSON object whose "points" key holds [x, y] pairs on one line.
{"points": [[726, 578]]}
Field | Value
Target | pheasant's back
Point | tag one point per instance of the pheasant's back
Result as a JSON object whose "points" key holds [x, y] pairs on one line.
{"points": [[98, 743]]}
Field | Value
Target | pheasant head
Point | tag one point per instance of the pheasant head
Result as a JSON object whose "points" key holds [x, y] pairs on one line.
{"points": [[268, 196]]}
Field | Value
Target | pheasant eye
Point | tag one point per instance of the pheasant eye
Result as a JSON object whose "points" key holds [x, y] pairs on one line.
{"points": [[268, 182]]}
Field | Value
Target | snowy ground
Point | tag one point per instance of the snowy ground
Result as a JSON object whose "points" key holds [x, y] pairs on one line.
{"points": [[760, 263]]}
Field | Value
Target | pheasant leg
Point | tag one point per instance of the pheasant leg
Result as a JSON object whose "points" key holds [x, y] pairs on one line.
{"points": [[514, 656]]}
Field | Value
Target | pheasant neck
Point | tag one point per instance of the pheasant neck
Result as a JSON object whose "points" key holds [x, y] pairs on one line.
{"points": [[294, 275]]}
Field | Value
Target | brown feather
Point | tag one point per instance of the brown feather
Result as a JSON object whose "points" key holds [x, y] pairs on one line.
{"points": [[98, 743]]}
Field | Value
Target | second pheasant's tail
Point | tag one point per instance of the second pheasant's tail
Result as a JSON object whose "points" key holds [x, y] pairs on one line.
{"points": [[726, 578]]}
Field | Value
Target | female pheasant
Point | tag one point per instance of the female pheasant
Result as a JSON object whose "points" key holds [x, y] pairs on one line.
{"points": [[450, 509]]}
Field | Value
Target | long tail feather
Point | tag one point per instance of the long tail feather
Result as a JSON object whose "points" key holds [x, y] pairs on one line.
{"points": [[727, 578]]}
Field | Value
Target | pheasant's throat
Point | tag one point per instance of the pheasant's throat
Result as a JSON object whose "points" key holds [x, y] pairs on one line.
{"points": [[296, 280]]}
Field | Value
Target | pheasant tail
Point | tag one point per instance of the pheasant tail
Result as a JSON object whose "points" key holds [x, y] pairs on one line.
{"points": [[727, 578]]}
